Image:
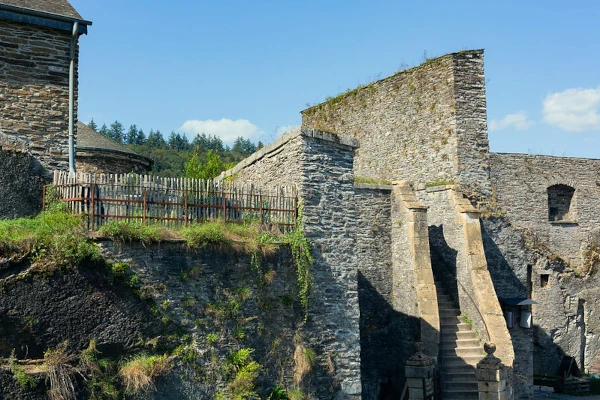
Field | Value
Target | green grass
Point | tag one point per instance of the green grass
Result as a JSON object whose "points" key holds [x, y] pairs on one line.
{"points": [[123, 231], [442, 182], [53, 239], [363, 179]]}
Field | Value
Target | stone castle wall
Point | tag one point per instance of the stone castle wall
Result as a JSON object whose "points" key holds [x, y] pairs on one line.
{"points": [[426, 124], [520, 190], [34, 92], [320, 165], [386, 335], [561, 280]]}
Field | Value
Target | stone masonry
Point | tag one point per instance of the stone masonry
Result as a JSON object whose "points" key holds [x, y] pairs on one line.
{"points": [[34, 89], [426, 124], [320, 164]]}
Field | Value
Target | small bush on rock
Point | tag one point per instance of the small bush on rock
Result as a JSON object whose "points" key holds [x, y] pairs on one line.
{"points": [[139, 372]]}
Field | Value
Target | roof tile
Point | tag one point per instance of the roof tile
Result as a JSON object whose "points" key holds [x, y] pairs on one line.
{"points": [[58, 7]]}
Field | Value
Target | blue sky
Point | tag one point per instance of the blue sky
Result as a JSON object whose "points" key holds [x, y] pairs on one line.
{"points": [[249, 67]]}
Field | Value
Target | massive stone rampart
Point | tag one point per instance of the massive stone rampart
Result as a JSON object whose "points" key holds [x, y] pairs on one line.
{"points": [[320, 164], [521, 186], [34, 92], [426, 124]]}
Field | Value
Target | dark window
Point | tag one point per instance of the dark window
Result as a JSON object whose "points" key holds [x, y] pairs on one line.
{"points": [[544, 280], [561, 205]]}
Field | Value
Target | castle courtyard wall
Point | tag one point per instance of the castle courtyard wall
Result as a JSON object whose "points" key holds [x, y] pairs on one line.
{"points": [[426, 124], [520, 185], [387, 334], [320, 165], [34, 92]]}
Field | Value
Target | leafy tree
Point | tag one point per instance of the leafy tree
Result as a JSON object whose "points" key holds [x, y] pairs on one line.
{"points": [[93, 125], [212, 166]]}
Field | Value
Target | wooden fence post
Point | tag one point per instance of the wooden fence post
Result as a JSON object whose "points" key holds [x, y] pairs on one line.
{"points": [[93, 194]]}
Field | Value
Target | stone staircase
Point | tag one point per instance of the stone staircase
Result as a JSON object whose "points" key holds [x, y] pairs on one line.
{"points": [[460, 350]]}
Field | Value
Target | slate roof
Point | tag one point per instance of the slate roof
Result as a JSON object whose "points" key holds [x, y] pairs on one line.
{"points": [[57, 7], [89, 139]]}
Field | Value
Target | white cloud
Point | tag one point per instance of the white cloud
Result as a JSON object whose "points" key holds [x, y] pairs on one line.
{"points": [[228, 130], [574, 110], [519, 121]]}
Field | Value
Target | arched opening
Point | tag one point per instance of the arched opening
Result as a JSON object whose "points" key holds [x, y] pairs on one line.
{"points": [[561, 203]]}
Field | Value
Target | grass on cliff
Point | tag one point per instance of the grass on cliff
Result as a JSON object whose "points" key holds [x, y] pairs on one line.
{"points": [[138, 373], [243, 237], [53, 238]]}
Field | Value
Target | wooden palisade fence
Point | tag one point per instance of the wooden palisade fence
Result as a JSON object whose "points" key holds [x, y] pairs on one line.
{"points": [[171, 201]]}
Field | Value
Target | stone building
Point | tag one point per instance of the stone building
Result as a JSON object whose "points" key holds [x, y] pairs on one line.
{"points": [[38, 77], [98, 154]]}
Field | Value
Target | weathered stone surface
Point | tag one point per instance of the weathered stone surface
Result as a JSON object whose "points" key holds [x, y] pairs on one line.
{"points": [[185, 283], [521, 185], [110, 163], [426, 124], [34, 87], [21, 184], [320, 165]]}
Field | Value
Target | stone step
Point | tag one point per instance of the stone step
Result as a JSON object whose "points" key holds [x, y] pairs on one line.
{"points": [[460, 370], [449, 335], [468, 375], [459, 395], [444, 298], [452, 342], [463, 351], [455, 361], [446, 304], [467, 386], [453, 327], [449, 312]]}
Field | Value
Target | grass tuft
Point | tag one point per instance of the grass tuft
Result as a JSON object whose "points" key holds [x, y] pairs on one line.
{"points": [[139, 372]]}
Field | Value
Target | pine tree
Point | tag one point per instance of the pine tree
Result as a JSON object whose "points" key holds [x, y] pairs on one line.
{"points": [[104, 131], [93, 125], [116, 132], [141, 137]]}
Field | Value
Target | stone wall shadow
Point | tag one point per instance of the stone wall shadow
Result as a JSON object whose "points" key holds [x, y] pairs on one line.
{"points": [[386, 341], [508, 285], [443, 261]]}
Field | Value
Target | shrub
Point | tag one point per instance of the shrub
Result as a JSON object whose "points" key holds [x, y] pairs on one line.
{"points": [[61, 372], [138, 373], [23, 380]]}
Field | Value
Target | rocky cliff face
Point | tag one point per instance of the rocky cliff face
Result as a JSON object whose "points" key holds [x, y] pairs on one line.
{"points": [[201, 309]]}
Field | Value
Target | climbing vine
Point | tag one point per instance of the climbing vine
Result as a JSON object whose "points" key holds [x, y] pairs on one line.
{"points": [[303, 260]]}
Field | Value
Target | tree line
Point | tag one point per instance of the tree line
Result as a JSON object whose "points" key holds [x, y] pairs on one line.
{"points": [[203, 157]]}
